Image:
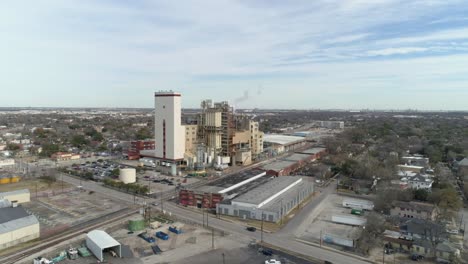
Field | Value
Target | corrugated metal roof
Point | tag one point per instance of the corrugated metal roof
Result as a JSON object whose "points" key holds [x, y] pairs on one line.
{"points": [[13, 218], [282, 139], [102, 239]]}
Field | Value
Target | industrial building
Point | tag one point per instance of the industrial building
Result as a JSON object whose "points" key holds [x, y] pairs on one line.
{"points": [[16, 225], [331, 124], [98, 241], [169, 133], [210, 195], [18, 196], [224, 134], [62, 156], [295, 161], [272, 200], [278, 144], [6, 162], [137, 146]]}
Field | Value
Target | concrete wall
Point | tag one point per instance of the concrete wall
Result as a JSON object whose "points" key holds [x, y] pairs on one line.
{"points": [[18, 236]]}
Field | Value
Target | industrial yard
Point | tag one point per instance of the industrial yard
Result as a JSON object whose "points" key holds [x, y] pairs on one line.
{"points": [[57, 213], [319, 222]]}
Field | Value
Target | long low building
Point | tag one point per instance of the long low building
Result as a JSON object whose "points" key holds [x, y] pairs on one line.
{"points": [[273, 200], [16, 226], [283, 143], [18, 196], [210, 195]]}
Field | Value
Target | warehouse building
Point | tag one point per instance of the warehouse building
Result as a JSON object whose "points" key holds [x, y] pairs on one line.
{"points": [[278, 144], [316, 153], [272, 200], [16, 225], [210, 195], [19, 196], [99, 241]]}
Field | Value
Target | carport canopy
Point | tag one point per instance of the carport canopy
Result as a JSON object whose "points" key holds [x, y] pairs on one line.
{"points": [[97, 241]]}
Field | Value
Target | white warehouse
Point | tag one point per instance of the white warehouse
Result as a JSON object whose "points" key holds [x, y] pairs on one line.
{"points": [[98, 241], [16, 225], [274, 199]]}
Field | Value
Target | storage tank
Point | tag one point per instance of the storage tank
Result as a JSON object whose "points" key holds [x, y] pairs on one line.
{"points": [[174, 170], [136, 225], [127, 175]]}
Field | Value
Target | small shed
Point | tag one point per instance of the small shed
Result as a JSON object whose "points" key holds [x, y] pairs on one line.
{"points": [[97, 241]]}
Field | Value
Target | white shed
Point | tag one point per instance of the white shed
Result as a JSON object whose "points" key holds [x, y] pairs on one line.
{"points": [[97, 241]]}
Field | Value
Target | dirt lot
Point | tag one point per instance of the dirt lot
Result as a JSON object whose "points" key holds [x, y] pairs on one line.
{"points": [[68, 209], [320, 222], [31, 185]]}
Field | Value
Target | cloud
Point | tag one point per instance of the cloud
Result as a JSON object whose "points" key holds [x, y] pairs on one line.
{"points": [[395, 51], [97, 47]]}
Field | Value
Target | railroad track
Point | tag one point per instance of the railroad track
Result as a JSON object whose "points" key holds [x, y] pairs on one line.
{"points": [[71, 233]]}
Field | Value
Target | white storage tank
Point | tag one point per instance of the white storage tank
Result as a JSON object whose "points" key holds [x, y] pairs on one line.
{"points": [[127, 175]]}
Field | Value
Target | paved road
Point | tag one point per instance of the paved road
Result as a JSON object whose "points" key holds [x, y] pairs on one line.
{"points": [[280, 240]]}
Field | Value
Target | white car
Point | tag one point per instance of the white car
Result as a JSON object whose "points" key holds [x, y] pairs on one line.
{"points": [[272, 261]]}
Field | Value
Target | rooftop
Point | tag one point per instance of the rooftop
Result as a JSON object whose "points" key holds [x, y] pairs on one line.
{"points": [[463, 162], [102, 239], [312, 151], [282, 139], [261, 194], [425, 207], [279, 165], [297, 157], [234, 179], [13, 218], [23, 191]]}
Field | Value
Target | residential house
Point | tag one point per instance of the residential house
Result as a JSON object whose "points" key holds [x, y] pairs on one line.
{"points": [[445, 251], [417, 210], [398, 241], [416, 161], [463, 167], [420, 182], [415, 228]]}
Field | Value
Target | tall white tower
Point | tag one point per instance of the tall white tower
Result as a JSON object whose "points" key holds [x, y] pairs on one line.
{"points": [[169, 133]]}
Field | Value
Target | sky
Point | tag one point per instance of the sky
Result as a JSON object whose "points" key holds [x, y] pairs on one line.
{"points": [[321, 54]]}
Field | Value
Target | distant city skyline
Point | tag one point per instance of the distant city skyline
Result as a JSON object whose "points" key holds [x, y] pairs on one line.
{"points": [[330, 54]]}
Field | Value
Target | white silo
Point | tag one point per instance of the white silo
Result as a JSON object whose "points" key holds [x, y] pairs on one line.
{"points": [[127, 175]]}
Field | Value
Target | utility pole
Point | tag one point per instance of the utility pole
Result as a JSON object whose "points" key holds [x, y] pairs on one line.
{"points": [[320, 237], [212, 238], [262, 229], [223, 259], [203, 215], [281, 215], [383, 255], [207, 216]]}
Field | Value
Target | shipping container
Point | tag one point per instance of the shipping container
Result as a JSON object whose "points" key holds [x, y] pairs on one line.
{"points": [[349, 220], [358, 204]]}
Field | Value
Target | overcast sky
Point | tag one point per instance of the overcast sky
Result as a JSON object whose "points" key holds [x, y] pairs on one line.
{"points": [[347, 54]]}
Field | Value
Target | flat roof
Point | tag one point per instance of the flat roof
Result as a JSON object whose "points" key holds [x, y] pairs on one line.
{"points": [[279, 165], [297, 157], [13, 218], [232, 180], [23, 191], [102, 239], [282, 139], [275, 204], [263, 192], [312, 151]]}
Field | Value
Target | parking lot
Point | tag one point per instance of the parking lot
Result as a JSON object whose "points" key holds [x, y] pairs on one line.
{"points": [[158, 182], [319, 222]]}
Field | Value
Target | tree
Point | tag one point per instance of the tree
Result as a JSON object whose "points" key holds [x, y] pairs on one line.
{"points": [[421, 195], [371, 235], [78, 141], [446, 199], [48, 149], [143, 133], [13, 146]]}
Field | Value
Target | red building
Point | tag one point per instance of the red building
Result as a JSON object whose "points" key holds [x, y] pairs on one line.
{"points": [[137, 146]]}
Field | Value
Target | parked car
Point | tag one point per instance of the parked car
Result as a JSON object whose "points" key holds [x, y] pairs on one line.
{"points": [[267, 252], [416, 257], [251, 229]]}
